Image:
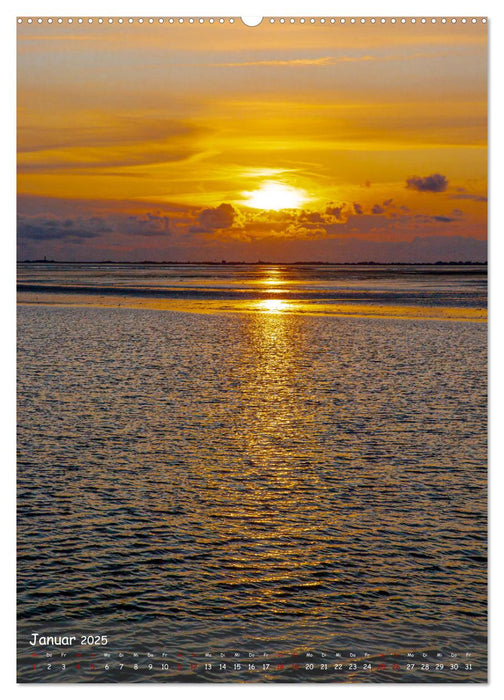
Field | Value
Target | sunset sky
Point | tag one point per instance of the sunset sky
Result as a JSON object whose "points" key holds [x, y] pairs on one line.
{"points": [[279, 142]]}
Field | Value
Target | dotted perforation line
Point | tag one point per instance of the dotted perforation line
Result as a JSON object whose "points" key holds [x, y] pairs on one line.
{"points": [[270, 20]]}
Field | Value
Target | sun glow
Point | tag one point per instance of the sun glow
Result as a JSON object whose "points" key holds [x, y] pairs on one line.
{"points": [[275, 196]]}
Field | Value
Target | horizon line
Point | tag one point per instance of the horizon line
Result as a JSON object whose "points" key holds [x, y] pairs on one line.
{"points": [[243, 262]]}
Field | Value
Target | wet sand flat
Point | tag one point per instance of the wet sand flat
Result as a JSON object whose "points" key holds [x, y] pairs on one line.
{"points": [[211, 306]]}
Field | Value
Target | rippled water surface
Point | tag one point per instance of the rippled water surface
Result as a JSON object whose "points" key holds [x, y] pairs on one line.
{"points": [[313, 288], [251, 482]]}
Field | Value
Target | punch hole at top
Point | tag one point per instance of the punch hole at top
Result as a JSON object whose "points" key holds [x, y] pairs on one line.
{"points": [[251, 21]]}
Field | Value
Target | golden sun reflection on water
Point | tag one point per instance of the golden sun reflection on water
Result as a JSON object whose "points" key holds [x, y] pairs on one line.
{"points": [[273, 305], [274, 434], [272, 280], [273, 277]]}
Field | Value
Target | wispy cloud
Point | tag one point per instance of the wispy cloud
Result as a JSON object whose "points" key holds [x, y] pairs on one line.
{"points": [[473, 197], [106, 143], [329, 60], [322, 61]]}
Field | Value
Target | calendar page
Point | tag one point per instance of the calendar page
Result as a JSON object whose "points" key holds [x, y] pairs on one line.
{"points": [[252, 349]]}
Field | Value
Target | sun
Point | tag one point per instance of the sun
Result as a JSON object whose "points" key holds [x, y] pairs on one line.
{"points": [[275, 196]]}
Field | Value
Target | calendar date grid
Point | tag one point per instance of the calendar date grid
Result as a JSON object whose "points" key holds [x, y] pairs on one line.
{"points": [[221, 662]]}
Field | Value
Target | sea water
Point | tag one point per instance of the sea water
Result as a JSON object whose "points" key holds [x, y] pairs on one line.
{"points": [[252, 481]]}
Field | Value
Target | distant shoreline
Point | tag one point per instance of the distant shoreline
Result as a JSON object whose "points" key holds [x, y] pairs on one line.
{"points": [[241, 262]]}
